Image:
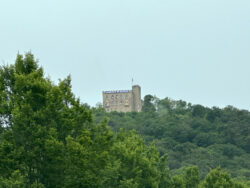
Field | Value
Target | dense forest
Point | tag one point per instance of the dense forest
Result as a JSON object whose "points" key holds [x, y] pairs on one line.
{"points": [[191, 134], [49, 138]]}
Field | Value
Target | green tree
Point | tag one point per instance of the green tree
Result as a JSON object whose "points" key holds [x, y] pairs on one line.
{"points": [[140, 165], [192, 177], [36, 118], [148, 105], [217, 178], [15, 180], [177, 182]]}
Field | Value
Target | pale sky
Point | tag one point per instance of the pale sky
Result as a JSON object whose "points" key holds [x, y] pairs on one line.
{"points": [[194, 50]]}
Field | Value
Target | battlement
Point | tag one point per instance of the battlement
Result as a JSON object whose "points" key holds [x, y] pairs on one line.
{"points": [[117, 91]]}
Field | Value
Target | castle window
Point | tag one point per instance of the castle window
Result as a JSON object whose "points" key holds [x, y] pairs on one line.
{"points": [[112, 97], [126, 103], [126, 96], [107, 96], [120, 96]]}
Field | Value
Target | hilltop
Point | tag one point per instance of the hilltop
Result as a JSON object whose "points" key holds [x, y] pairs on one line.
{"points": [[190, 134]]}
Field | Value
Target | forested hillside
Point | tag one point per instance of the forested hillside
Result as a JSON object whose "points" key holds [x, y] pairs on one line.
{"points": [[48, 138], [191, 134]]}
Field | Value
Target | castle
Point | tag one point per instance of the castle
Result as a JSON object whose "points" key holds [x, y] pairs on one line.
{"points": [[123, 100]]}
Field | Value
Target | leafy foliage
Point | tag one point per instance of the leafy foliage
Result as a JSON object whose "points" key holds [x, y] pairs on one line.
{"points": [[48, 138], [190, 134]]}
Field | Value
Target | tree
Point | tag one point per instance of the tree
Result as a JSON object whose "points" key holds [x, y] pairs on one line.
{"points": [[217, 178], [177, 182], [192, 177], [198, 111], [148, 105], [37, 116], [139, 164], [15, 180]]}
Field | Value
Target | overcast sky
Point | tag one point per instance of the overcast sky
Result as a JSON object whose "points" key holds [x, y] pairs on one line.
{"points": [[194, 50]]}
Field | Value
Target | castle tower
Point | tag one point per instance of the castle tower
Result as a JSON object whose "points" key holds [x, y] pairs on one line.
{"points": [[137, 105]]}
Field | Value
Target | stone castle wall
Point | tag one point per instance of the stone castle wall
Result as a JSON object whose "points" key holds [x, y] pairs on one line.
{"points": [[122, 100]]}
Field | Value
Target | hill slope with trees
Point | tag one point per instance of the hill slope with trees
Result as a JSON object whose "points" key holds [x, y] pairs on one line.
{"points": [[191, 134], [48, 138]]}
